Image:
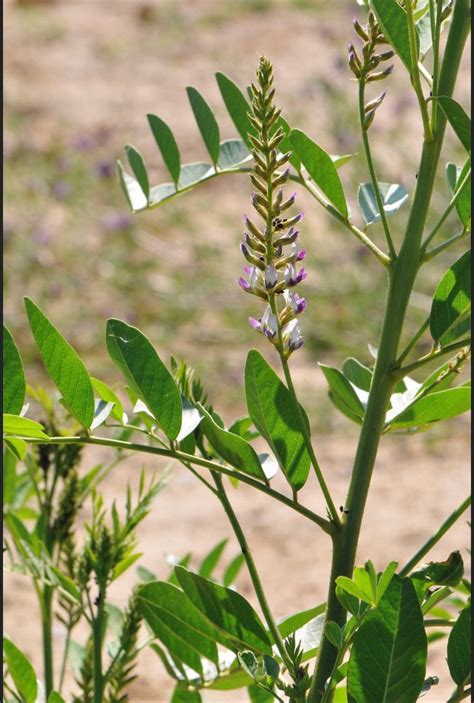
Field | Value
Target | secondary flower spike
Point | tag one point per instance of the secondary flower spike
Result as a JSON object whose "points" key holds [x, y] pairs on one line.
{"points": [[270, 243]]}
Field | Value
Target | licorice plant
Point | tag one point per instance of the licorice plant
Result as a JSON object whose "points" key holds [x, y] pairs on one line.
{"points": [[368, 642]]}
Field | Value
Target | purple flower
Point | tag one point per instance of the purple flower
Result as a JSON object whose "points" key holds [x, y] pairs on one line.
{"points": [[271, 277], [244, 284]]}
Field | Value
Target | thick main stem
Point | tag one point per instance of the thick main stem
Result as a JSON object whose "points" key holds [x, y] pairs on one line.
{"points": [[401, 283], [46, 624]]}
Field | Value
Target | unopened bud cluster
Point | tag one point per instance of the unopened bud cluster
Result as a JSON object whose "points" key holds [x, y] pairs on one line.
{"points": [[270, 247], [363, 67]]}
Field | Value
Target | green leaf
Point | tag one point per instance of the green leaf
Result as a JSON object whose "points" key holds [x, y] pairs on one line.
{"points": [[63, 365], [135, 356], [248, 662], [354, 589], [452, 298], [463, 202], [237, 106], [137, 164], [232, 448], [210, 561], [194, 173], [434, 407], [175, 621], [344, 392], [206, 122], [230, 574], [388, 657], [18, 446], [357, 373], [227, 610], [232, 152], [164, 602], [243, 426], [54, 697], [321, 168], [23, 426], [296, 621], [190, 420], [385, 578], [14, 384], [393, 197], [442, 573], [21, 671], [334, 634], [181, 695], [257, 694], [459, 647], [132, 189], [394, 23], [458, 119], [272, 410], [107, 394], [167, 145]]}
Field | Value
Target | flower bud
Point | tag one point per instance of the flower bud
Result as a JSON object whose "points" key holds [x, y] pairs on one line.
{"points": [[380, 75], [360, 30]]}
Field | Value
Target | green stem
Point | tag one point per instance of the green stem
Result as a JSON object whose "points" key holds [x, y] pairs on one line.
{"points": [[435, 20], [415, 72], [445, 214], [97, 635], [432, 356], [46, 624], [431, 253], [309, 447], [371, 167], [252, 569], [401, 282], [460, 694], [65, 656], [438, 622], [324, 524], [447, 524], [414, 340]]}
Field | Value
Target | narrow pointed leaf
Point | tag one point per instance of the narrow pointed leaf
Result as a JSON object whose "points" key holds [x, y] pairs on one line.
{"points": [[321, 168], [227, 610], [167, 145], [272, 410], [434, 407], [294, 622], [14, 384], [232, 570], [458, 119], [211, 560], [455, 177], [63, 365], [459, 647], [137, 359], [232, 448], [452, 298], [394, 24], [394, 196], [357, 373], [237, 106], [206, 122], [23, 427], [343, 391], [137, 164], [388, 657], [21, 671]]}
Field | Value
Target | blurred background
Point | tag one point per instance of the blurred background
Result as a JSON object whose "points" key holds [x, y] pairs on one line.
{"points": [[80, 76]]}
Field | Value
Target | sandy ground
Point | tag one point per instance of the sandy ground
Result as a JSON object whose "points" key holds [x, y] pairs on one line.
{"points": [[96, 65]]}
